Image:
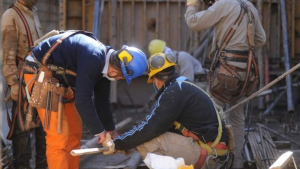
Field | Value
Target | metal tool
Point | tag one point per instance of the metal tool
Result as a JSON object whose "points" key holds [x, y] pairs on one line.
{"points": [[60, 110], [86, 151]]}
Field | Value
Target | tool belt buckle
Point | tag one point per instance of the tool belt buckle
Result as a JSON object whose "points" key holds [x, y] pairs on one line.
{"points": [[222, 54], [216, 153]]}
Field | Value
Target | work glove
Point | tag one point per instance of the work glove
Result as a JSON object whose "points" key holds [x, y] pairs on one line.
{"points": [[14, 92], [108, 142], [191, 2]]}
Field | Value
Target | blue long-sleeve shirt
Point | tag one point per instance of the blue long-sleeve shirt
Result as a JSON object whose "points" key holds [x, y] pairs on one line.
{"points": [[85, 56], [181, 102]]}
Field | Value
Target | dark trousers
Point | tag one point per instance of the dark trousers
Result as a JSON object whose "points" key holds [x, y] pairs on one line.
{"points": [[21, 146]]}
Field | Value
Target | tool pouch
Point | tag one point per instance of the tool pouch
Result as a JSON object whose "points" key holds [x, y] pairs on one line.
{"points": [[225, 80], [45, 92], [253, 82]]}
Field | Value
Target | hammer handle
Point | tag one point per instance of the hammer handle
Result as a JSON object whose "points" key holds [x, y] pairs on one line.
{"points": [[79, 152]]}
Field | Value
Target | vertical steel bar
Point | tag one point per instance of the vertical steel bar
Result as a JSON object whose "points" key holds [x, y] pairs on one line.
{"points": [[100, 18], [290, 102], [96, 17], [260, 59], [113, 87]]}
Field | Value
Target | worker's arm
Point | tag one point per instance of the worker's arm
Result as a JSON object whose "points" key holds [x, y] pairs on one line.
{"points": [[88, 74], [260, 35], [9, 45], [102, 104], [167, 109], [207, 18], [185, 66]]}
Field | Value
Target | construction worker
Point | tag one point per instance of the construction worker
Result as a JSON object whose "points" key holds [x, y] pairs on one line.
{"points": [[184, 122], [187, 65], [76, 60], [237, 33], [20, 26]]}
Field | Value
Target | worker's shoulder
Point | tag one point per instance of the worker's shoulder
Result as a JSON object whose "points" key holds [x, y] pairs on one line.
{"points": [[9, 13], [183, 55], [225, 4], [180, 81]]}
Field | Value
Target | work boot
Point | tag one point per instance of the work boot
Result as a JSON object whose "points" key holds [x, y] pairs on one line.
{"points": [[40, 145]]}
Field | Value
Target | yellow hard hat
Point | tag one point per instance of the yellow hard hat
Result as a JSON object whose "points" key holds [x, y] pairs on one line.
{"points": [[156, 46], [159, 62]]}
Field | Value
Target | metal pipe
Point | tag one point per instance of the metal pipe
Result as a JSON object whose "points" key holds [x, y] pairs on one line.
{"points": [[290, 102], [207, 40], [270, 91], [96, 18], [281, 94], [100, 18]]}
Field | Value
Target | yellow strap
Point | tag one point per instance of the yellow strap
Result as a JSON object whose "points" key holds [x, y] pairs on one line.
{"points": [[217, 140], [210, 150], [177, 125]]}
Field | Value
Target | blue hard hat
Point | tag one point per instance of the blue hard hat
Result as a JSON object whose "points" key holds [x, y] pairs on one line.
{"points": [[133, 62]]}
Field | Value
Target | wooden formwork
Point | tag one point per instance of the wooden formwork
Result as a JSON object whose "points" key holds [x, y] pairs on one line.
{"points": [[137, 22]]}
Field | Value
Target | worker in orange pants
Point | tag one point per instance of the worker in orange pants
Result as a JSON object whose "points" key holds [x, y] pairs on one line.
{"points": [[62, 74], [60, 145]]}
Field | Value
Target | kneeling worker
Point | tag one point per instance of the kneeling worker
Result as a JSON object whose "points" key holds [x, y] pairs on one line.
{"points": [[75, 59], [184, 122]]}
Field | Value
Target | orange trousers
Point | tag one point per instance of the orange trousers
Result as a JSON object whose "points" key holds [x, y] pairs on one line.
{"points": [[59, 146]]}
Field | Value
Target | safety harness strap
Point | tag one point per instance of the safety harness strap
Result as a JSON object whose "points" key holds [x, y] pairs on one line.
{"points": [[210, 148], [29, 38], [54, 46]]}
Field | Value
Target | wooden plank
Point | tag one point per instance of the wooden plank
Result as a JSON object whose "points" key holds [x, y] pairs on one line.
{"points": [[157, 19], [63, 15], [282, 161], [283, 144], [144, 25], [293, 29], [179, 25], [121, 25], [168, 21], [83, 14], [132, 32]]}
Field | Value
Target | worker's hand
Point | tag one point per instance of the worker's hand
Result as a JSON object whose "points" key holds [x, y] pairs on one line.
{"points": [[110, 144], [113, 134], [14, 91], [101, 137], [191, 2]]}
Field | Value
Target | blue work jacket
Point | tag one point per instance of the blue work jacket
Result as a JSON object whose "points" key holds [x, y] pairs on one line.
{"points": [[84, 55]]}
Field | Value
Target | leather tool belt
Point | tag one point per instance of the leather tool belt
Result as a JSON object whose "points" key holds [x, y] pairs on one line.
{"points": [[235, 56], [226, 83]]}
